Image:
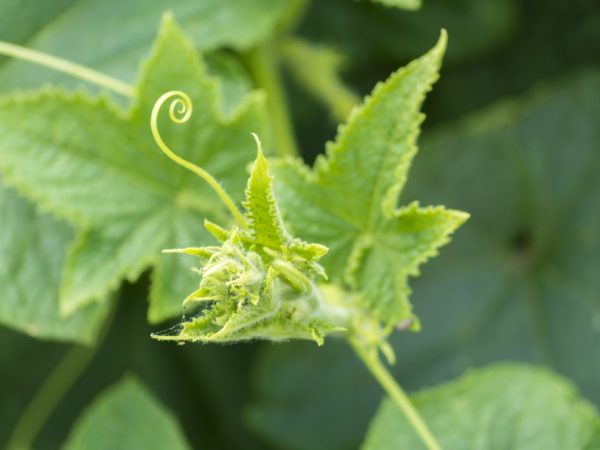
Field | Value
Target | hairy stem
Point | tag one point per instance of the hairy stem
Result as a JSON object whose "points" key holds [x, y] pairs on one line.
{"points": [[263, 66], [397, 394], [54, 388], [68, 67]]}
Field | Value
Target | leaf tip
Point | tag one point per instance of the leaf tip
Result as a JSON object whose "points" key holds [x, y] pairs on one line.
{"points": [[260, 155], [440, 47], [460, 217], [167, 20], [443, 39]]}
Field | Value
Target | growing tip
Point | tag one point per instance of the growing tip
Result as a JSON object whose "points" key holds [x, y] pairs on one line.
{"points": [[258, 143], [442, 42]]}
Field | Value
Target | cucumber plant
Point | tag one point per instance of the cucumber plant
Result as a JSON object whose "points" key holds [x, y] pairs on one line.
{"points": [[286, 252]]}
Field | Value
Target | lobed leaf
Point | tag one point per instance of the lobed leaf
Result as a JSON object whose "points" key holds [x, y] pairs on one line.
{"points": [[519, 282], [348, 202], [98, 167], [503, 406]]}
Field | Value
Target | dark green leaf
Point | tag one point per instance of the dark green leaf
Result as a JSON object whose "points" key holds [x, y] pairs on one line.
{"points": [[126, 417], [491, 295], [113, 36], [348, 202], [521, 281], [32, 253], [513, 407]]}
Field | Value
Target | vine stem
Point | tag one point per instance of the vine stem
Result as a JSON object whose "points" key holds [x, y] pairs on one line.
{"points": [[68, 67], [262, 63], [54, 388], [397, 394]]}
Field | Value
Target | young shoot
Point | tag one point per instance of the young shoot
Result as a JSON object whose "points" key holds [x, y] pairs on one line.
{"points": [[260, 282]]}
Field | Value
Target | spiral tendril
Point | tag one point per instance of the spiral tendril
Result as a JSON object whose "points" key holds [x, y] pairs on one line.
{"points": [[180, 111]]}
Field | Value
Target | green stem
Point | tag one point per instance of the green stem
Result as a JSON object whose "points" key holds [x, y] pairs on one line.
{"points": [[62, 65], [389, 384], [54, 388], [263, 66]]}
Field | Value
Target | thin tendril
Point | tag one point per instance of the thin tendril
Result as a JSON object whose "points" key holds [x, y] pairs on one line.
{"points": [[180, 111], [396, 393], [68, 67]]}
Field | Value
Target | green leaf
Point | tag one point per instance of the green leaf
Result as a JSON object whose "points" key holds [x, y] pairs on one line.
{"points": [[31, 17], [348, 202], [262, 210], [128, 417], [112, 36], [98, 167], [259, 283], [32, 253], [503, 406], [404, 4], [521, 281], [491, 295]]}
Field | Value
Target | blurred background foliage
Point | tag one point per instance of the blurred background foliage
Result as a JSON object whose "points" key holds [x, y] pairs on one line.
{"points": [[511, 136]]}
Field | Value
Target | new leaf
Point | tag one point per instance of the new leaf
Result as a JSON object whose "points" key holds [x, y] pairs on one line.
{"points": [[348, 202], [126, 417]]}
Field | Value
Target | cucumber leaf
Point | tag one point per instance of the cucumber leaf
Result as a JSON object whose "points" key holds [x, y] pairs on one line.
{"points": [[21, 19], [348, 202], [126, 416], [98, 167], [502, 406], [519, 282], [33, 248]]}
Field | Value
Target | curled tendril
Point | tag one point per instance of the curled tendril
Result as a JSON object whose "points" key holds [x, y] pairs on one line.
{"points": [[180, 111]]}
